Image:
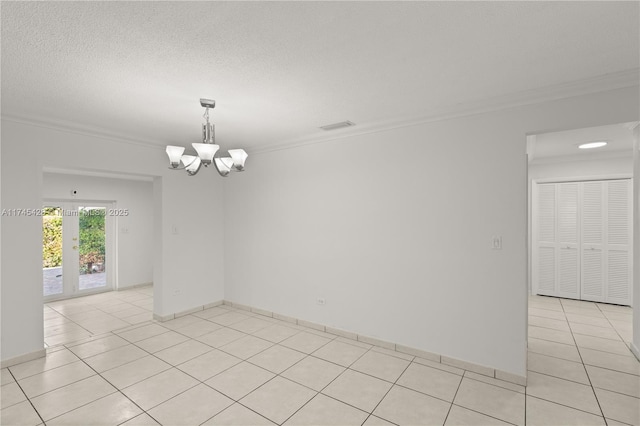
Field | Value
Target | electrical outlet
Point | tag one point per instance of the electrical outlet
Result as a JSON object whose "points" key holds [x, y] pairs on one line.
{"points": [[176, 292], [321, 301]]}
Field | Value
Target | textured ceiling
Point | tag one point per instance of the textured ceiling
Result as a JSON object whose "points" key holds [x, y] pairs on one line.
{"points": [[278, 71]]}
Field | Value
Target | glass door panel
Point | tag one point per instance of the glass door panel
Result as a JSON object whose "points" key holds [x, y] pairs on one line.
{"points": [[52, 283], [85, 245], [92, 248]]}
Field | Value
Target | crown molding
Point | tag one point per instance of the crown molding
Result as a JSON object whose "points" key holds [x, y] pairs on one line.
{"points": [[602, 83], [632, 125], [79, 129], [611, 81], [94, 173]]}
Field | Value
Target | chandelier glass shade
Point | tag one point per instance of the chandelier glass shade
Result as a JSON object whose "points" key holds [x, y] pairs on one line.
{"points": [[207, 152]]}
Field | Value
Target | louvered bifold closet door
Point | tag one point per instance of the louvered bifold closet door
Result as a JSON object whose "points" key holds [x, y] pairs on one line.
{"points": [[545, 273], [618, 259], [592, 253], [568, 277]]}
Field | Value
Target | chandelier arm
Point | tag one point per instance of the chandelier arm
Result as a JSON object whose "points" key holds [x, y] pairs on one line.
{"points": [[190, 173], [177, 168], [183, 168]]}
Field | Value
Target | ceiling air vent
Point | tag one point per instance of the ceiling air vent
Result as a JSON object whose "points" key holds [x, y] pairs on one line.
{"points": [[339, 125]]}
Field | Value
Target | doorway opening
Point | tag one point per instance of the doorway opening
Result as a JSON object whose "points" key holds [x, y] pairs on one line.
{"points": [[581, 214], [97, 251], [580, 248], [77, 248]]}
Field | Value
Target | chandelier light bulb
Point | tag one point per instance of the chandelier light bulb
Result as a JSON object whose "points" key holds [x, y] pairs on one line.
{"points": [[239, 156], [224, 165], [174, 153], [206, 151]]}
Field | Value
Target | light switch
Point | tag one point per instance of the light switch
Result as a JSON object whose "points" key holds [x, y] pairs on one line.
{"points": [[496, 242], [174, 229]]}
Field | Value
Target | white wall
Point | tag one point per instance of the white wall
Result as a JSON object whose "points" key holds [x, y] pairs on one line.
{"points": [[635, 345], [193, 264], [394, 229], [187, 267], [134, 247], [21, 310]]}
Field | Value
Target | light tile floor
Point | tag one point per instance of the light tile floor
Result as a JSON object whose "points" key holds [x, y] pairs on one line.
{"points": [[108, 363]]}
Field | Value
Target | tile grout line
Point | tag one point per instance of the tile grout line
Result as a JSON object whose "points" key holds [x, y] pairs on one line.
{"points": [[454, 397], [279, 375], [44, 371], [564, 405], [239, 403], [562, 378], [370, 349], [615, 329], [26, 397], [213, 348], [578, 362], [297, 362], [91, 335], [485, 414], [153, 375], [575, 344], [584, 365], [117, 390], [585, 369], [392, 385], [336, 378], [242, 360]]}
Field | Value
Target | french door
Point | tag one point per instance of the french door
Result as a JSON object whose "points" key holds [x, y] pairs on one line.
{"points": [[77, 248]]}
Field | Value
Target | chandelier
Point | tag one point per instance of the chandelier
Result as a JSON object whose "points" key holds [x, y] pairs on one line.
{"points": [[207, 152]]}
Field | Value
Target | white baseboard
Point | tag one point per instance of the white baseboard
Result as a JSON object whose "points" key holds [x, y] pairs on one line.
{"points": [[163, 318], [213, 304], [130, 287], [189, 311], [476, 368], [23, 358]]}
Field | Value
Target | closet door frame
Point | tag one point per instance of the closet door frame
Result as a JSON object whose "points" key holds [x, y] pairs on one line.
{"points": [[533, 211]]}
